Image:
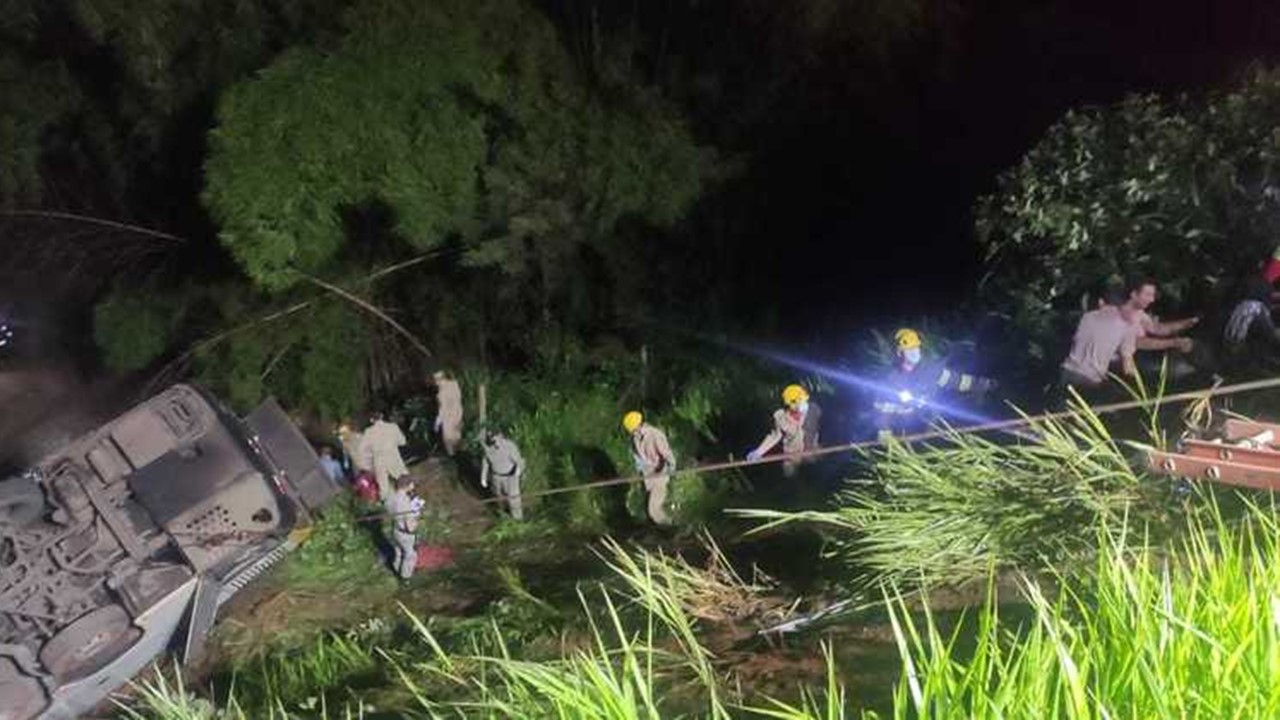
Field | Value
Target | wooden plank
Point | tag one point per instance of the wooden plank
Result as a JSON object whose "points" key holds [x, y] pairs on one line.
{"points": [[1227, 473]]}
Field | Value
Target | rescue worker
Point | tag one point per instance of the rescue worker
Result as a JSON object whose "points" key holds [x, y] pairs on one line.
{"points": [[405, 510], [653, 458], [795, 425], [380, 451], [914, 382], [350, 440], [449, 415], [502, 460]]}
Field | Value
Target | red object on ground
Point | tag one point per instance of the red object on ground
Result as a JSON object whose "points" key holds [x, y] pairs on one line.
{"points": [[434, 557], [1272, 270], [365, 487]]}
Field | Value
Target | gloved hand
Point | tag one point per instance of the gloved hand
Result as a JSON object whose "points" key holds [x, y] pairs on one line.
{"points": [[754, 454], [484, 481], [416, 504]]}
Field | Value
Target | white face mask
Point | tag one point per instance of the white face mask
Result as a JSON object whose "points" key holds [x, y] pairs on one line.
{"points": [[802, 406], [911, 356]]}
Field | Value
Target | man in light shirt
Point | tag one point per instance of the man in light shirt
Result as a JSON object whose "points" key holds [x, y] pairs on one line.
{"points": [[449, 416], [1164, 338], [380, 451], [1104, 336], [504, 463], [404, 509]]}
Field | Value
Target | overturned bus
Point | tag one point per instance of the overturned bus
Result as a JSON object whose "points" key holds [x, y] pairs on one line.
{"points": [[125, 542]]}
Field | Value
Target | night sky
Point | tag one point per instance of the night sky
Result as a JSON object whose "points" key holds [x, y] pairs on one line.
{"points": [[873, 200], [860, 165]]}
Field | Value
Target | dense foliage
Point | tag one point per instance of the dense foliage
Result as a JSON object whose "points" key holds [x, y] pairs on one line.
{"points": [[426, 125], [564, 412], [1182, 190], [463, 119], [113, 90]]}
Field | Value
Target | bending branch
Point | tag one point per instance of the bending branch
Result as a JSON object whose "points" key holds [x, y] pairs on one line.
{"points": [[137, 229]]}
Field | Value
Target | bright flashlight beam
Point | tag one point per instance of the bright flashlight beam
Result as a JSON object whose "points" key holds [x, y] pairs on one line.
{"points": [[843, 377], [852, 380]]}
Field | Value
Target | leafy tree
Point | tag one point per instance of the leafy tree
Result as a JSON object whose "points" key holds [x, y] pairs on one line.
{"points": [[133, 330], [115, 94], [41, 94], [464, 119], [427, 126], [1182, 190], [47, 96]]}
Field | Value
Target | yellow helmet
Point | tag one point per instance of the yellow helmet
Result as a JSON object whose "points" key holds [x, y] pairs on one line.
{"points": [[906, 339], [631, 421], [793, 394]]}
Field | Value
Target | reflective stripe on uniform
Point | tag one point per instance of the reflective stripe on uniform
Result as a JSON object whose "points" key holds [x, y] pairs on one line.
{"points": [[944, 378], [966, 382], [894, 408]]}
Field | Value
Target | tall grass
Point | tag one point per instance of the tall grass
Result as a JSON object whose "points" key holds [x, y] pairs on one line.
{"points": [[654, 668], [965, 505], [163, 696], [635, 651], [1192, 630], [1195, 633], [320, 674]]}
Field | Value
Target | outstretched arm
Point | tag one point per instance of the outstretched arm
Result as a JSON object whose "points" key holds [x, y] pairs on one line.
{"points": [[1172, 327], [949, 379], [772, 439], [1181, 344]]}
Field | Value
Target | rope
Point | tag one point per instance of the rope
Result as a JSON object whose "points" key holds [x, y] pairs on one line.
{"points": [[1202, 394]]}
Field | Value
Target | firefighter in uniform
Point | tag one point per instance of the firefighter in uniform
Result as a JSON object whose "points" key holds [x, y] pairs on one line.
{"points": [[904, 403], [795, 425], [651, 452]]}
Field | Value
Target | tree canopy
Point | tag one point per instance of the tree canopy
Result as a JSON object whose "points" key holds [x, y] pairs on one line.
{"points": [[455, 126], [1182, 190], [466, 119]]}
